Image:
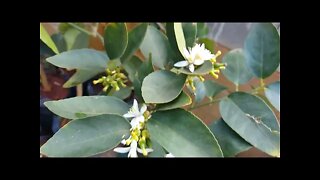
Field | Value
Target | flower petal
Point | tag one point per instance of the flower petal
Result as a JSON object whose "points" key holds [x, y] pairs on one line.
{"points": [[121, 149], [135, 107], [133, 149], [181, 64], [169, 155], [134, 123], [143, 109], [123, 142], [129, 115], [191, 68], [198, 62]]}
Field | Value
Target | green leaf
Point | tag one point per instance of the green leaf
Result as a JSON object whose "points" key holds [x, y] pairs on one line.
{"points": [[158, 150], [135, 38], [213, 88], [200, 92], [176, 39], [59, 41], [81, 41], [131, 66], [79, 77], [88, 136], [123, 93], [262, 49], [162, 86], [231, 143], [182, 100], [45, 37], [203, 69], [272, 92], [202, 30], [190, 33], [88, 105], [183, 134], [144, 70], [85, 59], [115, 39], [156, 43], [208, 44], [236, 70], [76, 39], [239, 111]]}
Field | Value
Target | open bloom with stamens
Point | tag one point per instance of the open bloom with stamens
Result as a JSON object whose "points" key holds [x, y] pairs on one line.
{"points": [[133, 149], [136, 114], [195, 56]]}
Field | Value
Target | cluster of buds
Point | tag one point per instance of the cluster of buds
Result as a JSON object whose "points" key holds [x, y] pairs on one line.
{"points": [[216, 66], [114, 78]]}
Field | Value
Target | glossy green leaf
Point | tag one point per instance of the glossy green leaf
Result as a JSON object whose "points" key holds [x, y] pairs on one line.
{"points": [[203, 69], [131, 66], [262, 49], [182, 100], [253, 120], [236, 70], [183, 134], [190, 33], [85, 59], [208, 44], [213, 88], [45, 37], [59, 41], [88, 136], [200, 92], [272, 92], [231, 143], [115, 39], [88, 105], [135, 38], [156, 43], [123, 93], [162, 86], [79, 77], [202, 30]]}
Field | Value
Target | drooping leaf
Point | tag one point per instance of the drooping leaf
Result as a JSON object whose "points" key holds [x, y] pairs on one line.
{"points": [[200, 92], [162, 86], [87, 105], [262, 49], [253, 120], [156, 43], [88, 136], [176, 39], [272, 92], [182, 100], [85, 59], [231, 143], [115, 39], [45, 37], [123, 93], [183, 134], [59, 41], [213, 88], [236, 70]]}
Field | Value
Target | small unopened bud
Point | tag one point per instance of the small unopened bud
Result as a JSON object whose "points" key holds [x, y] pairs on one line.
{"points": [[201, 78]]}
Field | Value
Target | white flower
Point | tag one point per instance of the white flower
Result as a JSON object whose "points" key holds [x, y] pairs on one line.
{"points": [[133, 149], [136, 114], [195, 56], [168, 155]]}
